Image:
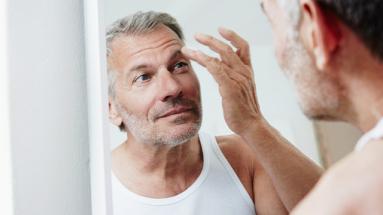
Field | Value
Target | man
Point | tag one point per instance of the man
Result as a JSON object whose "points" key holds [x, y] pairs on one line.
{"points": [[166, 166], [333, 51]]}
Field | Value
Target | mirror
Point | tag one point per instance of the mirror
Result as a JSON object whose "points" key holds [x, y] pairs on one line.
{"points": [[197, 16], [275, 93]]}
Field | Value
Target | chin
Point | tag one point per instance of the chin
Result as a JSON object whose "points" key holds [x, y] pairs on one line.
{"points": [[179, 134], [317, 112], [324, 117], [319, 101]]}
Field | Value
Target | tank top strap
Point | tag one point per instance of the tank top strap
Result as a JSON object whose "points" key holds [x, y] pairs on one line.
{"points": [[373, 134], [217, 158]]}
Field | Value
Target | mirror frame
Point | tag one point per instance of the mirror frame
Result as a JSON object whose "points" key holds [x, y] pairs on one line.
{"points": [[99, 146]]}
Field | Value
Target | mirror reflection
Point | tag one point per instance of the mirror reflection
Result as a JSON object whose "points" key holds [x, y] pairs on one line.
{"points": [[203, 118]]}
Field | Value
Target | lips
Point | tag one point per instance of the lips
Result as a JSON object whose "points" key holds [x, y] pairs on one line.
{"points": [[176, 110]]}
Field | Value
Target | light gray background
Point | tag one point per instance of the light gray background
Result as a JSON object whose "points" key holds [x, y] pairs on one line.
{"points": [[276, 95]]}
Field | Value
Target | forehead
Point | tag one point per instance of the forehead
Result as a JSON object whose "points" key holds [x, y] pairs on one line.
{"points": [[155, 44]]}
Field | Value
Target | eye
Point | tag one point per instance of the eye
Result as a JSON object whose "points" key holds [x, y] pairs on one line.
{"points": [[142, 78], [180, 66]]}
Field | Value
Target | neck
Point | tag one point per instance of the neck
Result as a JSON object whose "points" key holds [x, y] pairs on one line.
{"points": [[162, 158], [170, 167], [365, 93]]}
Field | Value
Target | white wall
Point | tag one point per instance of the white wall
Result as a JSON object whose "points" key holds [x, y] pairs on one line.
{"points": [[6, 194], [336, 139], [49, 131], [275, 93]]}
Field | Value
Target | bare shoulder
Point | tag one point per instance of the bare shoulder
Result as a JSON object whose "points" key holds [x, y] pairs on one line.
{"points": [[357, 180], [231, 143], [374, 148], [368, 160], [371, 158], [364, 165], [236, 151], [353, 185], [240, 157]]}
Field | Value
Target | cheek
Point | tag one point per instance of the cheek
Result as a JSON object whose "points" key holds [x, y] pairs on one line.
{"points": [[278, 42], [191, 86], [137, 104], [280, 50]]}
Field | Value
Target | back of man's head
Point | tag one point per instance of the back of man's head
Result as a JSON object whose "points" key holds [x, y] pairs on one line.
{"points": [[363, 17]]}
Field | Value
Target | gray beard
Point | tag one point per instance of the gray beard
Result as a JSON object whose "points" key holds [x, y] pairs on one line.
{"points": [[138, 127], [317, 94]]}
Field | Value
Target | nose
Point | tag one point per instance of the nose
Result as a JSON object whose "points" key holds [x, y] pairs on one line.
{"points": [[169, 86]]}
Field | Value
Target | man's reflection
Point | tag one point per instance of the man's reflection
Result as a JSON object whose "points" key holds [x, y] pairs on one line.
{"points": [[166, 166]]}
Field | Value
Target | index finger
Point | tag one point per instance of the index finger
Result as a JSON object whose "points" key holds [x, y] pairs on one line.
{"points": [[225, 51], [238, 42], [213, 65]]}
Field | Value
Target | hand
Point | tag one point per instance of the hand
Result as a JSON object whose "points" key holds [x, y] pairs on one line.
{"points": [[234, 75]]}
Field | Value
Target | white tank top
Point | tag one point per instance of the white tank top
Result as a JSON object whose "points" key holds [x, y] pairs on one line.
{"points": [[217, 190], [373, 134]]}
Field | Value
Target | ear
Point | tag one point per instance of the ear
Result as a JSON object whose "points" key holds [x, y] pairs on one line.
{"points": [[320, 32], [114, 115]]}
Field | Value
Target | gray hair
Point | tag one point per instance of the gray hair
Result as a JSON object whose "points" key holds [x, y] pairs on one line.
{"points": [[136, 24], [293, 12]]}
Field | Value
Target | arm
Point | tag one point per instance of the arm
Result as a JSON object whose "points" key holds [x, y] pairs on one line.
{"points": [[252, 175], [266, 199], [291, 173]]}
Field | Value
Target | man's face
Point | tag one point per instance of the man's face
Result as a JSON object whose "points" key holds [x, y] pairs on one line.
{"points": [[317, 92], [157, 94]]}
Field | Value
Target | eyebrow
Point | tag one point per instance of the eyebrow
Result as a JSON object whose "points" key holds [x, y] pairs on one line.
{"points": [[139, 67], [175, 55], [144, 66]]}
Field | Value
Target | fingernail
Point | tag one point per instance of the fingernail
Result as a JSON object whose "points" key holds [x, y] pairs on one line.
{"points": [[200, 36], [223, 29], [188, 51]]}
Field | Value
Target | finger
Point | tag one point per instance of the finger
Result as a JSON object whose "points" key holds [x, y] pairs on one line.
{"points": [[238, 42], [192, 55], [213, 65], [225, 51]]}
